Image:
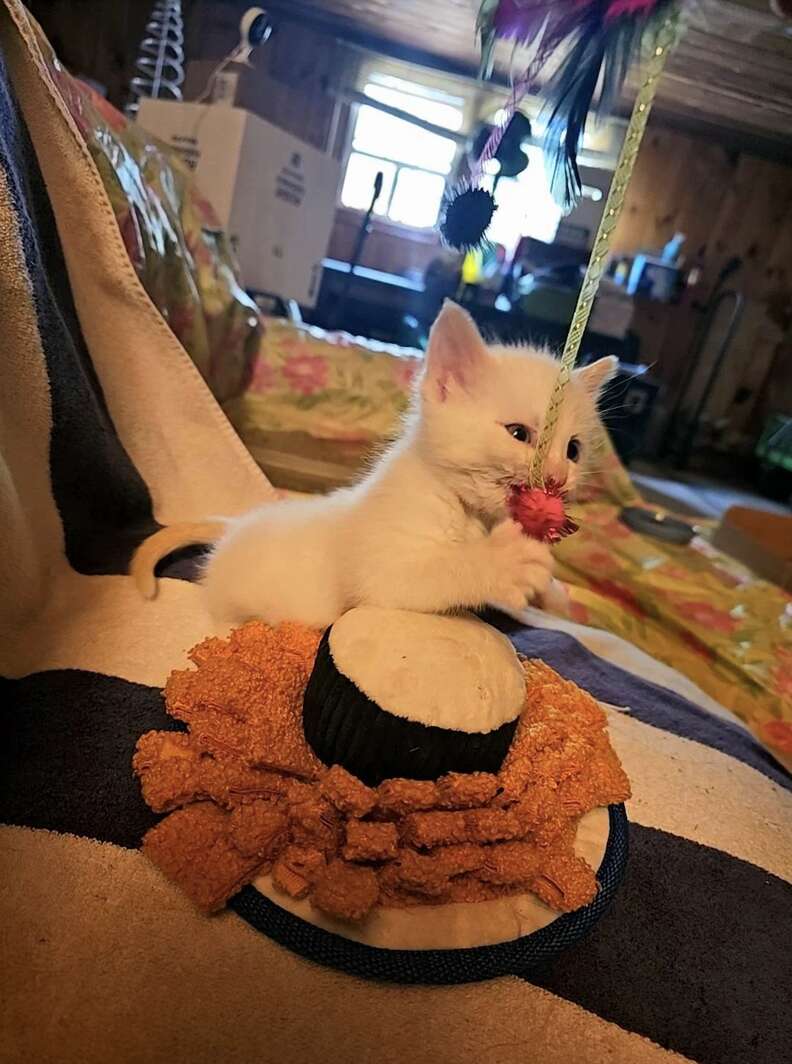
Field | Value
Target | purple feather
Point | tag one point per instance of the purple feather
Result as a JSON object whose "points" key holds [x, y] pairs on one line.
{"points": [[597, 40], [521, 20]]}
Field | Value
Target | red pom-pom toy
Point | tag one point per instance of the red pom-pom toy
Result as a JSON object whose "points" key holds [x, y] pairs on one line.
{"points": [[541, 512]]}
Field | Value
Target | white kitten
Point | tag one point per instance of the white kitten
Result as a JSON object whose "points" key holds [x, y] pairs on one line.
{"points": [[428, 528]]}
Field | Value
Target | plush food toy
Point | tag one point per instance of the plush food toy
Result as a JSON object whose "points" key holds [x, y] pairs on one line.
{"points": [[401, 796]]}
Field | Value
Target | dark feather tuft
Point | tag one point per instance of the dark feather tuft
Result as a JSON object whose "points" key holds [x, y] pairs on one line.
{"points": [[466, 218], [600, 43], [570, 100]]}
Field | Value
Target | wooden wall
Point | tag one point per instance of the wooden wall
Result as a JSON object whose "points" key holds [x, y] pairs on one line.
{"points": [[727, 204], [387, 247], [730, 206], [98, 39]]}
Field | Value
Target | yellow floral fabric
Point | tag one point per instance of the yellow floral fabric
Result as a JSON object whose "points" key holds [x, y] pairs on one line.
{"points": [[329, 385], [692, 607]]}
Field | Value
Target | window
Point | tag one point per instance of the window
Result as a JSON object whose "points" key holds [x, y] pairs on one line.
{"points": [[414, 162]]}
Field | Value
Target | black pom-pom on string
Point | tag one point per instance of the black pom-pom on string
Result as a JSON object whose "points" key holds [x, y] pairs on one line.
{"points": [[466, 218]]}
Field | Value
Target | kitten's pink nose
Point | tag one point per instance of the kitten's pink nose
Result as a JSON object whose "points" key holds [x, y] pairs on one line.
{"points": [[555, 469]]}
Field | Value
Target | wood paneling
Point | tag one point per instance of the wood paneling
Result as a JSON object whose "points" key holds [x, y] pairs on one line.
{"points": [[390, 248], [730, 206], [731, 72]]}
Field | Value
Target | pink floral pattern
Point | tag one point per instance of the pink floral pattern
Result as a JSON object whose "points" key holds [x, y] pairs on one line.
{"points": [[265, 376], [619, 593], [706, 615], [692, 607], [598, 560], [778, 734], [782, 680], [675, 572], [306, 373]]}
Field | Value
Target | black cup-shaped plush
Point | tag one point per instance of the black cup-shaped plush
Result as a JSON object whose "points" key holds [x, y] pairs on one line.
{"points": [[397, 694]]}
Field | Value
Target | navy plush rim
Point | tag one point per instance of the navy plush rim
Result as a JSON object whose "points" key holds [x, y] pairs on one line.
{"points": [[442, 966]]}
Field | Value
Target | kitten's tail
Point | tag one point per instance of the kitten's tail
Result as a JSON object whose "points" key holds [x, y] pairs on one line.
{"points": [[165, 542]]}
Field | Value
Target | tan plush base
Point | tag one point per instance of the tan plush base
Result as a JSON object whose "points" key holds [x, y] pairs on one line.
{"points": [[453, 925]]}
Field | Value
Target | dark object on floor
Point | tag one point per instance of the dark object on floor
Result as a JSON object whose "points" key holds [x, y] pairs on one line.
{"points": [[654, 524]]}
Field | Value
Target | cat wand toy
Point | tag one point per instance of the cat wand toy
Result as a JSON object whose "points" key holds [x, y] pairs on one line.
{"points": [[538, 506]]}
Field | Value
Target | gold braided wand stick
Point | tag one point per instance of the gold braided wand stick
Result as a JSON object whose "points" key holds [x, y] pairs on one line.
{"points": [[666, 38]]}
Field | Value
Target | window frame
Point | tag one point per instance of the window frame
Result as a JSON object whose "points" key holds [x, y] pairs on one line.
{"points": [[479, 104], [418, 76]]}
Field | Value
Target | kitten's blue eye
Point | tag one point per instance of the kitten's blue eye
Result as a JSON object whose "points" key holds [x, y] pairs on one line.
{"points": [[519, 432], [573, 450]]}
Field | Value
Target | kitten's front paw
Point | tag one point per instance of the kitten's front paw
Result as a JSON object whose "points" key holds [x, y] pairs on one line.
{"points": [[520, 568]]}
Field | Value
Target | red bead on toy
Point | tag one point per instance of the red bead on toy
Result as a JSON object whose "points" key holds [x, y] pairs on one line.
{"points": [[540, 511]]}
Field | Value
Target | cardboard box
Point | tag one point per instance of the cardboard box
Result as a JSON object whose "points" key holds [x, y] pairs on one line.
{"points": [[759, 539], [274, 195]]}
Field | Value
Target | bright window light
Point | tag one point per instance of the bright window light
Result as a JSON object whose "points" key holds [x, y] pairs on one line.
{"points": [[525, 205], [388, 137], [414, 162], [416, 198], [358, 186]]}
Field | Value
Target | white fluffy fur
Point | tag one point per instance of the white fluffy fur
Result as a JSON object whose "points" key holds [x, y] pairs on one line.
{"points": [[428, 528]]}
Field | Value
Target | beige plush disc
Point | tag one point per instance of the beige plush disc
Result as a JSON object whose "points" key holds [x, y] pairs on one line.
{"points": [[451, 926], [451, 672]]}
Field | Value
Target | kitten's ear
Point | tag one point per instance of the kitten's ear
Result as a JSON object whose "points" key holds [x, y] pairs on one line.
{"points": [[596, 376], [455, 356]]}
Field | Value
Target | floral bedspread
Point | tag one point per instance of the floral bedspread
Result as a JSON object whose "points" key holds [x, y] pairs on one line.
{"points": [[331, 385], [694, 608]]}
